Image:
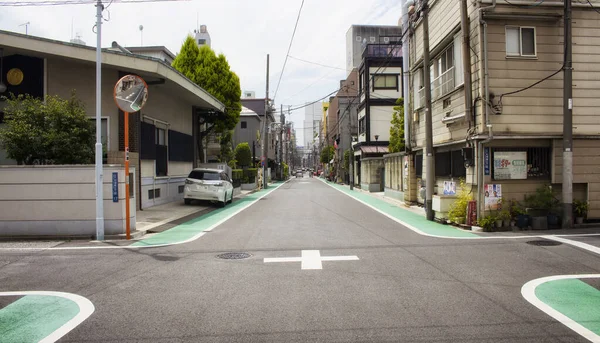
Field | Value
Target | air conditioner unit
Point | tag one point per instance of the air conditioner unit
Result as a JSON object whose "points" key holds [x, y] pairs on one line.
{"points": [[386, 39], [372, 39]]}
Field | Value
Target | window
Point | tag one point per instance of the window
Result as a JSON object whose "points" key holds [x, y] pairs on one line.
{"points": [[450, 164], [160, 137], [361, 125], [180, 189], [244, 124], [442, 73], [204, 175], [157, 193], [361, 82], [201, 41], [385, 81], [151, 194], [520, 41], [418, 89], [419, 165]]}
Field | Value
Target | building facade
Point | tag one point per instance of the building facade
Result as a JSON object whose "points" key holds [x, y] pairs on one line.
{"points": [[516, 112], [162, 135]]}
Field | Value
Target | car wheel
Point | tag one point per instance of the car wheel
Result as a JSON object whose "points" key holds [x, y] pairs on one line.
{"points": [[187, 201]]}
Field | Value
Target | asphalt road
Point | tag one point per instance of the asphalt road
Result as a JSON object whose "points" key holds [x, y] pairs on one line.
{"points": [[404, 287]]}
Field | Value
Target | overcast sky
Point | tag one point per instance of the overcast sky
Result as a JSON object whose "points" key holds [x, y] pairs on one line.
{"points": [[245, 31]]}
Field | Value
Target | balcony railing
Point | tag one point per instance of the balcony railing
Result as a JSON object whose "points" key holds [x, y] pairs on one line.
{"points": [[443, 84], [383, 50]]}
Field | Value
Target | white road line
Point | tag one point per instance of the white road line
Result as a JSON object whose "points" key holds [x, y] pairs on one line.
{"points": [[86, 308], [581, 245], [195, 237], [310, 259], [528, 292], [412, 228]]}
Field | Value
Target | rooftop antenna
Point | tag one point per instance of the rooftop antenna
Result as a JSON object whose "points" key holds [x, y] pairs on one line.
{"points": [[141, 27], [197, 21], [26, 26]]}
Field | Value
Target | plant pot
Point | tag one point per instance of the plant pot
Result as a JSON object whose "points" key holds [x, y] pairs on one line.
{"points": [[552, 221], [578, 220], [499, 223], [460, 221], [522, 221], [507, 223]]}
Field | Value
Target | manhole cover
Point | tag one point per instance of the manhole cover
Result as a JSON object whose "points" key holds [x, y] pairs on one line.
{"points": [[544, 243], [234, 255]]}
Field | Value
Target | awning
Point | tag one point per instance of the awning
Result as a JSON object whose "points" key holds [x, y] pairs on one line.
{"points": [[374, 149]]}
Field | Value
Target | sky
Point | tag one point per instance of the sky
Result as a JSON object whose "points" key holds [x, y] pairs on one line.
{"points": [[244, 31]]}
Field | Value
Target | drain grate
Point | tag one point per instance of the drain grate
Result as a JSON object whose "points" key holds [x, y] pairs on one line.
{"points": [[544, 243], [234, 255]]}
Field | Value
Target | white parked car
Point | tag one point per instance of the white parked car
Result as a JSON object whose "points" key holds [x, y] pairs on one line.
{"points": [[208, 184]]}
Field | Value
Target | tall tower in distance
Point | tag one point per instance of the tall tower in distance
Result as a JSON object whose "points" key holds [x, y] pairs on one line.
{"points": [[202, 36]]}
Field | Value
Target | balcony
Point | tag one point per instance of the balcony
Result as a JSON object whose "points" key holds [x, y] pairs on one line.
{"points": [[383, 50]]}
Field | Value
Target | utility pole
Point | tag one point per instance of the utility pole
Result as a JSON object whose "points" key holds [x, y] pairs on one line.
{"points": [[567, 182], [98, 147], [280, 158], [428, 120], [351, 159], [265, 147]]}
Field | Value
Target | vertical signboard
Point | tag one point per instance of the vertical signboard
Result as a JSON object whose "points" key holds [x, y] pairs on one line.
{"points": [[115, 186], [486, 161]]}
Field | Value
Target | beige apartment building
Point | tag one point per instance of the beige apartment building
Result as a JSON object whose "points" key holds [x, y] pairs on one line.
{"points": [[511, 46]]}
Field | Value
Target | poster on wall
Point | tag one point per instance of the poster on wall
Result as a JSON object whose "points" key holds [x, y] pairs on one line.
{"points": [[510, 165], [493, 196], [449, 188]]}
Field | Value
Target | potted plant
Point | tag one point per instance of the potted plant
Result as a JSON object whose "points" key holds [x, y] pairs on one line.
{"points": [[458, 209], [519, 215], [498, 220], [505, 216], [487, 222], [543, 207], [580, 209]]}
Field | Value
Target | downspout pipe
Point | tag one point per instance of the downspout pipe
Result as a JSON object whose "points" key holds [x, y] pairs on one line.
{"points": [[466, 52], [488, 125], [405, 73]]}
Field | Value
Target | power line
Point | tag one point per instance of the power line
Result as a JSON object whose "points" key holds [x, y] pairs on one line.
{"points": [[315, 63], [592, 6], [31, 3], [288, 52]]}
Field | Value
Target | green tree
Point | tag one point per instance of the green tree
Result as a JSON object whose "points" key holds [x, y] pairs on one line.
{"points": [[397, 127], [243, 155], [225, 140], [327, 154], [213, 73], [56, 131], [347, 155]]}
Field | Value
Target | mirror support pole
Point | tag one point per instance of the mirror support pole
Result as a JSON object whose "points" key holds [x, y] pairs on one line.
{"points": [[127, 185], [98, 147]]}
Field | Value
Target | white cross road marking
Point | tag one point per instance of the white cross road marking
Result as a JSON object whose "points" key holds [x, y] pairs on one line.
{"points": [[311, 259]]}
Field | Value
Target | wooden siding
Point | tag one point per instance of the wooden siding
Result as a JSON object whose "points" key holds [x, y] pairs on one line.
{"points": [[539, 109], [585, 170]]}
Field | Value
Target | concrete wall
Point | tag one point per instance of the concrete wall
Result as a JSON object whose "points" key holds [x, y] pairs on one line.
{"points": [[59, 200], [370, 174]]}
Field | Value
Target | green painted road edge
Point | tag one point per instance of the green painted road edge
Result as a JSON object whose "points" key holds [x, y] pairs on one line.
{"points": [[196, 228], [413, 221], [40, 316], [569, 300]]}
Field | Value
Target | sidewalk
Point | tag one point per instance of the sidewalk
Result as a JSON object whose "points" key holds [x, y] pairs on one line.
{"points": [[420, 218], [154, 217]]}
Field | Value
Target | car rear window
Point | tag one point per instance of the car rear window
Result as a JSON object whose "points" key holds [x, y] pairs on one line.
{"points": [[204, 175]]}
